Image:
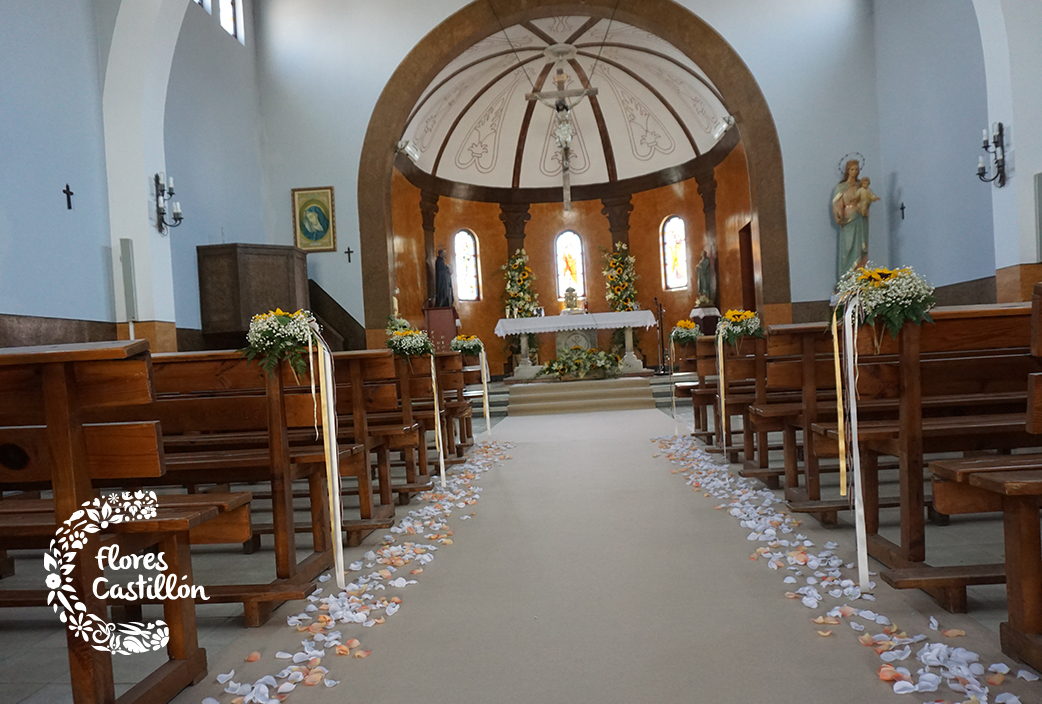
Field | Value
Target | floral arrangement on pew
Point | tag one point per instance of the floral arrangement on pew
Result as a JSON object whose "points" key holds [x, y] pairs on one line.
{"points": [[520, 300], [739, 324], [620, 277], [469, 345], [891, 296], [578, 362], [278, 336], [410, 343], [685, 332]]}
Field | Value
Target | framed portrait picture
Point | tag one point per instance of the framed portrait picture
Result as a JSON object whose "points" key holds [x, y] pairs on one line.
{"points": [[314, 219]]}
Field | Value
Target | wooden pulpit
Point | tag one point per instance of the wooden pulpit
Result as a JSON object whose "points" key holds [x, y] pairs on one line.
{"points": [[441, 326]]}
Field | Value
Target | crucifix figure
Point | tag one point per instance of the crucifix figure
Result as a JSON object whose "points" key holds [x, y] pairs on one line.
{"points": [[563, 129], [68, 196]]}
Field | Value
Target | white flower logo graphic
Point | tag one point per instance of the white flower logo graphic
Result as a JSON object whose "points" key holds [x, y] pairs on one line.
{"points": [[72, 536]]}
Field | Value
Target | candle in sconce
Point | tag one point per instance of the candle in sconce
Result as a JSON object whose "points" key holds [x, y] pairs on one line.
{"points": [[981, 164], [985, 134], [170, 184], [177, 208]]}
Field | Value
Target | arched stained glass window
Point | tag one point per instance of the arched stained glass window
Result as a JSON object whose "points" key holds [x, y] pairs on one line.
{"points": [[674, 253], [466, 247], [569, 255]]}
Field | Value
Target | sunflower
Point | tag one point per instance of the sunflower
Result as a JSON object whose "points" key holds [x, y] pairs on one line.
{"points": [[618, 289]]}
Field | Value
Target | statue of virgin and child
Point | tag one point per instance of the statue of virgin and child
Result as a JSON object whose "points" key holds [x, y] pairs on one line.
{"points": [[851, 199]]}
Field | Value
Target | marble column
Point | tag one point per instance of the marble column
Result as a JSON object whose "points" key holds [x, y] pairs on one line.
{"points": [[514, 217], [617, 210], [428, 209]]}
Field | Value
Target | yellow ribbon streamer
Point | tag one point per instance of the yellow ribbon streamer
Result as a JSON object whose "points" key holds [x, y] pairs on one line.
{"points": [[839, 407], [437, 421]]}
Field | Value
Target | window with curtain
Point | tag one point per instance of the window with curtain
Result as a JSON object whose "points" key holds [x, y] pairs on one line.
{"points": [[569, 256], [466, 269], [674, 253]]}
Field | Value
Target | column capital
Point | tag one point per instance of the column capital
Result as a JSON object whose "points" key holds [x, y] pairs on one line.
{"points": [[514, 217], [617, 209]]}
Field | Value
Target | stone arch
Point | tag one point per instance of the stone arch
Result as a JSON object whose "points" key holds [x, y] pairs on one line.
{"points": [[664, 18]]}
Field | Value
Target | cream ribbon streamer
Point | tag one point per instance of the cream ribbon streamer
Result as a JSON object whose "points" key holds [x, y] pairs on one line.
{"points": [[437, 421], [721, 386], [850, 352], [484, 392], [839, 407], [672, 387], [327, 394]]}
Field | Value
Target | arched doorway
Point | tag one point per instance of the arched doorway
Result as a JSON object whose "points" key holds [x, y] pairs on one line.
{"points": [[665, 19]]}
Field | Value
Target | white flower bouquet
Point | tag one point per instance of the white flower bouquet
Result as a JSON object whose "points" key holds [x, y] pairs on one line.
{"points": [[276, 336], [410, 343], [737, 324], [469, 345], [893, 296], [685, 332]]}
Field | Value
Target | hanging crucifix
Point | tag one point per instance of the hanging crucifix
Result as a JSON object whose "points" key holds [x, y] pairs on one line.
{"points": [[563, 129]]}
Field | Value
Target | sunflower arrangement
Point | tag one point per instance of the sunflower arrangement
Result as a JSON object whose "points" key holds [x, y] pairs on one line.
{"points": [[893, 296], [276, 336], [737, 324], [685, 332], [521, 301], [578, 362], [410, 343], [469, 345], [620, 279]]}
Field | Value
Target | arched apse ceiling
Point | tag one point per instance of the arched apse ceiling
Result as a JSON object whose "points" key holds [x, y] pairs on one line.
{"points": [[655, 108]]}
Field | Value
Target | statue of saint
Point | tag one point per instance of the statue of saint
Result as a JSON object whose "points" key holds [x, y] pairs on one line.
{"points": [[703, 270], [851, 199], [443, 296]]}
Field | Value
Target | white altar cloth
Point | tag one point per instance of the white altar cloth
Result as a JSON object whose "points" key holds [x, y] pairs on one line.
{"points": [[589, 321]]}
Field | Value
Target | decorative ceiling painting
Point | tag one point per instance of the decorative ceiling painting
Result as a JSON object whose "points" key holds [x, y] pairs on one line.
{"points": [[654, 108]]}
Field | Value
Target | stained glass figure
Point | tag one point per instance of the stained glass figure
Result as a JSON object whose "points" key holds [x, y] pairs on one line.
{"points": [[466, 247], [674, 254], [569, 250]]}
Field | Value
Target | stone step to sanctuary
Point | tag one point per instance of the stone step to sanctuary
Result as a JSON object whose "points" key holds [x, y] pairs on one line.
{"points": [[582, 396]]}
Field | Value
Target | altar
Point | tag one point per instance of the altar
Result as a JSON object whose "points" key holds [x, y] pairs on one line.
{"points": [[626, 320]]}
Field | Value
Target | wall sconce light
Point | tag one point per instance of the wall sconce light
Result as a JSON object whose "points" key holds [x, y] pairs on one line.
{"points": [[164, 192], [997, 148], [410, 150]]}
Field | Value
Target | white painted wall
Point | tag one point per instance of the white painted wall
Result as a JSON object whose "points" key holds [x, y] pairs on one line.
{"points": [[54, 262], [213, 148], [932, 107], [324, 63]]}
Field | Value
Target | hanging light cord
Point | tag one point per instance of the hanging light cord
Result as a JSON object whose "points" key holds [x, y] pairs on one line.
{"points": [[606, 33]]}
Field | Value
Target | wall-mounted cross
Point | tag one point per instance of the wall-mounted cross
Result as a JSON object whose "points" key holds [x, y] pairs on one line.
{"points": [[902, 211], [68, 196], [349, 252]]}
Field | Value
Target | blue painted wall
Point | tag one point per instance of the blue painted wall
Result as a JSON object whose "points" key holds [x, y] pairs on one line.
{"points": [[54, 262], [213, 143], [932, 108]]}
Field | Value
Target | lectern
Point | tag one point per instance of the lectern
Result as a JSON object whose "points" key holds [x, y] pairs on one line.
{"points": [[441, 326]]}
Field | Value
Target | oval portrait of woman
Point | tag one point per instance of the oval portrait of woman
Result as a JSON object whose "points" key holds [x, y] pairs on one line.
{"points": [[314, 220]]}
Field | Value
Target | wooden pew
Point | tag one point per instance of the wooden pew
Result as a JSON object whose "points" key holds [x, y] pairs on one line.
{"points": [[54, 387], [975, 358]]}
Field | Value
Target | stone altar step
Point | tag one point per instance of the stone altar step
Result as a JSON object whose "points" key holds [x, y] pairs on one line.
{"points": [[581, 396]]}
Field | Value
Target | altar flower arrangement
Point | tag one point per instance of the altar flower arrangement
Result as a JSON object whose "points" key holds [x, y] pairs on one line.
{"points": [[703, 301], [892, 296], [276, 336], [410, 343], [520, 299], [685, 332], [578, 362], [620, 279], [469, 345], [396, 323], [737, 324]]}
